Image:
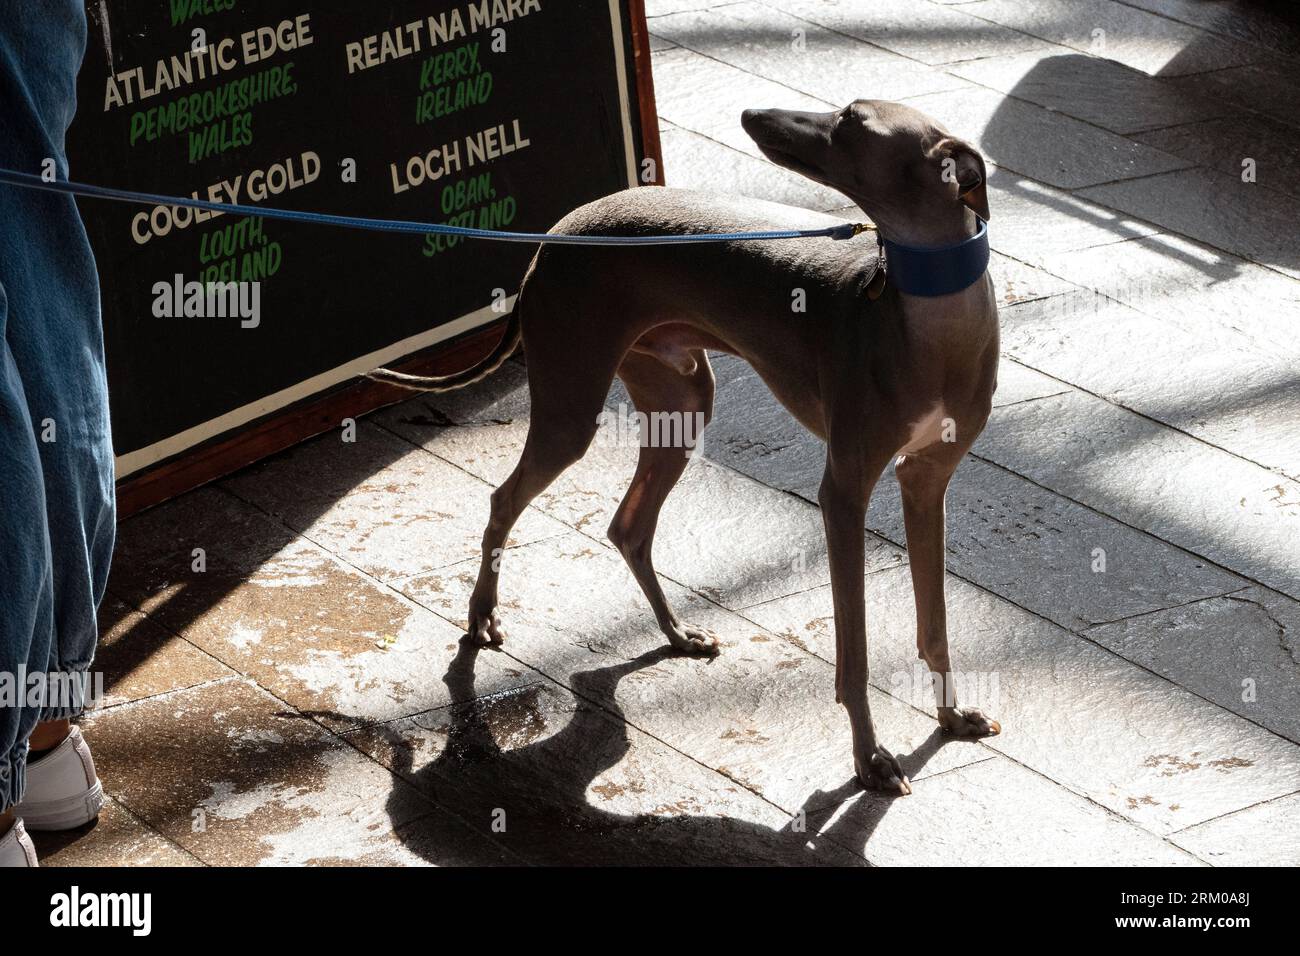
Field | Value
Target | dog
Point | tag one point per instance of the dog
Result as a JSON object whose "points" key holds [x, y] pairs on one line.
{"points": [[878, 371]]}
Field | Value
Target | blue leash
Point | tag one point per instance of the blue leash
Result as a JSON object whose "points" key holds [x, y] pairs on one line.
{"points": [[31, 181]]}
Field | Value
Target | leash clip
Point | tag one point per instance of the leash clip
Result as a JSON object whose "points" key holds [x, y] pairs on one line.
{"points": [[851, 229]]}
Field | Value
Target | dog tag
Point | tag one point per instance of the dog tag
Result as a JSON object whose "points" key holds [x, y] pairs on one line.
{"points": [[877, 283]]}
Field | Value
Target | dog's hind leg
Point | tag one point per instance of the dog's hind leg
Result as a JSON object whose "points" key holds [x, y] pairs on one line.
{"points": [[567, 386], [674, 396]]}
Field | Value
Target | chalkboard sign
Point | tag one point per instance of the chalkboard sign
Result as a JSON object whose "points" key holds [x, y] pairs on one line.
{"points": [[502, 114]]}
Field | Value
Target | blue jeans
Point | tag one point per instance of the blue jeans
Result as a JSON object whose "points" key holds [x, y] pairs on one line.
{"points": [[56, 457]]}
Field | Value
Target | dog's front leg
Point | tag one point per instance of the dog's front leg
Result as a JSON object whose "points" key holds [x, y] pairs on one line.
{"points": [[845, 490], [923, 480]]}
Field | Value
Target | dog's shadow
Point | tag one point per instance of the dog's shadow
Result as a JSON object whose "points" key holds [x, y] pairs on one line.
{"points": [[528, 770]]}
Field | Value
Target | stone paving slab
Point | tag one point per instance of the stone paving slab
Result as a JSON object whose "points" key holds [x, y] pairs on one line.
{"points": [[1017, 383], [830, 66], [1097, 90], [1247, 219], [999, 524], [333, 643], [1049, 147], [1241, 651], [138, 658], [752, 433], [1206, 379], [994, 813], [1144, 474], [1272, 89], [693, 161], [559, 781], [1225, 143], [380, 503], [115, 839], [738, 542], [1141, 40], [1015, 282], [658, 44], [1269, 26], [912, 28], [1217, 298], [1030, 221], [154, 560], [763, 712], [707, 96], [305, 481], [319, 634], [659, 8], [225, 772], [1264, 835], [1105, 728]]}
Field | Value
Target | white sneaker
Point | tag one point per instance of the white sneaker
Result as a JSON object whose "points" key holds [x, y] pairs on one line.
{"points": [[16, 847], [62, 789]]}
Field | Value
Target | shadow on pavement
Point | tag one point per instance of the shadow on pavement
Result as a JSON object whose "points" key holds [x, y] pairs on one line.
{"points": [[502, 758]]}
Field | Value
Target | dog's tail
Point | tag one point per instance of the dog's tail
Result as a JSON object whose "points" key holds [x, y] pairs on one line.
{"points": [[475, 373]]}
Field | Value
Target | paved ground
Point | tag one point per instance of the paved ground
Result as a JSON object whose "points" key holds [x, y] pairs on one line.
{"points": [[306, 699]]}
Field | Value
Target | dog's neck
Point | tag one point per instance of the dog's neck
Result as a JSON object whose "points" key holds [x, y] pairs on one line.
{"points": [[929, 233]]}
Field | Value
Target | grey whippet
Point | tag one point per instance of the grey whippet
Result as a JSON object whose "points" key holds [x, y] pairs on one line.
{"points": [[874, 371]]}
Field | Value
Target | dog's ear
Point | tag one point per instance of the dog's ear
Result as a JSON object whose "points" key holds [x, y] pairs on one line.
{"points": [[964, 162]]}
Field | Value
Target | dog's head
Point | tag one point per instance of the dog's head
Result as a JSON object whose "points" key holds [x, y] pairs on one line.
{"points": [[903, 169]]}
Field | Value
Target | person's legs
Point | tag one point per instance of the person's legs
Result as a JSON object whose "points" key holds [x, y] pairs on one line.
{"points": [[54, 388], [26, 581]]}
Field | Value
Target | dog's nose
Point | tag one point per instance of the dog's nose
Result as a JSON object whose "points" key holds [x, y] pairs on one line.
{"points": [[760, 124]]}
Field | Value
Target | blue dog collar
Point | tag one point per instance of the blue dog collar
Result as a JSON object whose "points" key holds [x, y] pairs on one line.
{"points": [[937, 270]]}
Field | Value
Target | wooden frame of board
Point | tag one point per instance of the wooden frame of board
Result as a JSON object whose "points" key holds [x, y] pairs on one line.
{"points": [[316, 414]]}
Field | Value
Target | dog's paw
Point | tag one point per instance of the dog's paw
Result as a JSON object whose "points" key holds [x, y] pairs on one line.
{"points": [[882, 771], [968, 722], [694, 640], [485, 629]]}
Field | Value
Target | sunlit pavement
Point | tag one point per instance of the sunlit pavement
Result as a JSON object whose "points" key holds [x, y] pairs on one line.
{"points": [[1124, 540]]}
